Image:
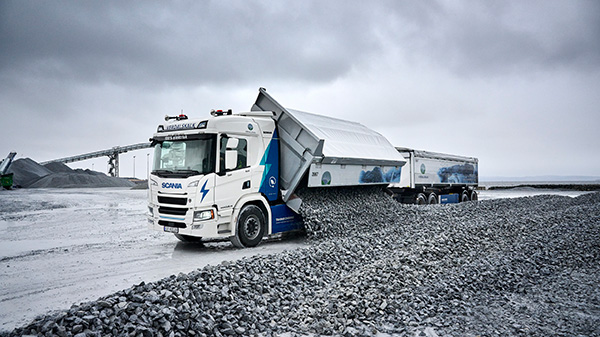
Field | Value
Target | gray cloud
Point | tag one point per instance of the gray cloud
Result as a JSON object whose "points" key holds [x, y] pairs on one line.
{"points": [[494, 38], [191, 43], [76, 76], [194, 43]]}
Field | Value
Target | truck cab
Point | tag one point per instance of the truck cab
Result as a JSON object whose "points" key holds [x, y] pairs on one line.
{"points": [[237, 153]]}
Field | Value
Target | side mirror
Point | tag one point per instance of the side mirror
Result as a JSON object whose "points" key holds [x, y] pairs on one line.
{"points": [[232, 143], [231, 158]]}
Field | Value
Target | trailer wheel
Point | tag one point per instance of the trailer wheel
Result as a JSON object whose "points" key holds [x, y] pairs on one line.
{"points": [[433, 198], [250, 227], [421, 199], [474, 196], [188, 238], [464, 197]]}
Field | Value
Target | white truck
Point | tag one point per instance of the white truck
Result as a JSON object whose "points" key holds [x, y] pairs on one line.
{"points": [[234, 175], [431, 178]]}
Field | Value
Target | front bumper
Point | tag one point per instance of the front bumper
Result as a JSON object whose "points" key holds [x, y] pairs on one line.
{"points": [[186, 225]]}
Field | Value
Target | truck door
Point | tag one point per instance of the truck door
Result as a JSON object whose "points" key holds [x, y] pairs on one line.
{"points": [[234, 174]]}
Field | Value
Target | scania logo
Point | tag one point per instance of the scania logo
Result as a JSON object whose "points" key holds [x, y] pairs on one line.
{"points": [[171, 185]]}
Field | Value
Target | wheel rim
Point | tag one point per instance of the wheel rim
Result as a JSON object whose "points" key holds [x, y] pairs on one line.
{"points": [[251, 227]]}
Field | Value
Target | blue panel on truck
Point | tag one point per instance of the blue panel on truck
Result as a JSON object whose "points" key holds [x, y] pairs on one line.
{"points": [[449, 198], [269, 186], [458, 174], [284, 219]]}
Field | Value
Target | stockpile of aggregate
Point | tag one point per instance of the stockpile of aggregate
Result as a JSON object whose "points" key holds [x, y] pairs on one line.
{"points": [[79, 179], [56, 167], [26, 171], [30, 174], [509, 267]]}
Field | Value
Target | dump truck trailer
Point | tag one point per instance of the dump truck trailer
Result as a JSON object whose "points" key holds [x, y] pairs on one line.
{"points": [[431, 178], [235, 175]]}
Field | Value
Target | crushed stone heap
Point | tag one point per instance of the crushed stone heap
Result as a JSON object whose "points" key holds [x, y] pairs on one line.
{"points": [[525, 266], [30, 174]]}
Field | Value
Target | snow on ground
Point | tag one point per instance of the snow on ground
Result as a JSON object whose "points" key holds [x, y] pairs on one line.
{"points": [[62, 247]]}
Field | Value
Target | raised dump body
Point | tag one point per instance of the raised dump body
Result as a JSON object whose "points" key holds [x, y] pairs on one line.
{"points": [[234, 175], [332, 151], [431, 177]]}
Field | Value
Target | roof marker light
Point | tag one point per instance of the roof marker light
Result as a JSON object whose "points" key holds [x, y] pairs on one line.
{"points": [[179, 118], [216, 113]]}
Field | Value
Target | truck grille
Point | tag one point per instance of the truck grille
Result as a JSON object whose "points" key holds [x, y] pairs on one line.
{"points": [[171, 224], [172, 201], [172, 210]]}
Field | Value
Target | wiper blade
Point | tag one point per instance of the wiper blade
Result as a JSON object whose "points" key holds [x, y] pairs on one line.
{"points": [[162, 171], [188, 171], [176, 173]]}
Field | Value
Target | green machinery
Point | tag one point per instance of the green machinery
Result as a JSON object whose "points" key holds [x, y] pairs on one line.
{"points": [[6, 179]]}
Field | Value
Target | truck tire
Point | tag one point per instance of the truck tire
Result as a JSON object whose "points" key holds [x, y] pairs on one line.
{"points": [[188, 238], [251, 226], [464, 197], [421, 199], [432, 199], [474, 195]]}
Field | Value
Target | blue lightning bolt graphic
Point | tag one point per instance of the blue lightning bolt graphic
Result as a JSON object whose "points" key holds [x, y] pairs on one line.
{"points": [[204, 191]]}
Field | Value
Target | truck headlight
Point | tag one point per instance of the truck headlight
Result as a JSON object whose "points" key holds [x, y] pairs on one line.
{"points": [[150, 210], [153, 182], [204, 215], [194, 183]]}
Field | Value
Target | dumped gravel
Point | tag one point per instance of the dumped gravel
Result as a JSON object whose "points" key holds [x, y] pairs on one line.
{"points": [[509, 267]]}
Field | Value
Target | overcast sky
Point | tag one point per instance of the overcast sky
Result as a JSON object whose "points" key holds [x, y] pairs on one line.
{"points": [[514, 83]]}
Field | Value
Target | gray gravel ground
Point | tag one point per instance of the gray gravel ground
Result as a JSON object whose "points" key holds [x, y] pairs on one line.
{"points": [[509, 267]]}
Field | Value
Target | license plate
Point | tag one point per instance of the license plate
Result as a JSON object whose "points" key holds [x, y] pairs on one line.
{"points": [[171, 229]]}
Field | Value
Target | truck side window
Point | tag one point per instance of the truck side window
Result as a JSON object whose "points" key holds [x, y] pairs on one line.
{"points": [[242, 153]]}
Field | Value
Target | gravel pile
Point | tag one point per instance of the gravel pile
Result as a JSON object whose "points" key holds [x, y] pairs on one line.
{"points": [[57, 167], [30, 174], [25, 171], [511, 267], [79, 178]]}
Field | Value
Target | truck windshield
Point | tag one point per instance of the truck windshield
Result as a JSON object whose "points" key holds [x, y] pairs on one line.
{"points": [[185, 158]]}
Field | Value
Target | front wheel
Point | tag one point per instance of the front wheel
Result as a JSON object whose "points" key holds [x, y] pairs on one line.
{"points": [[250, 227]]}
